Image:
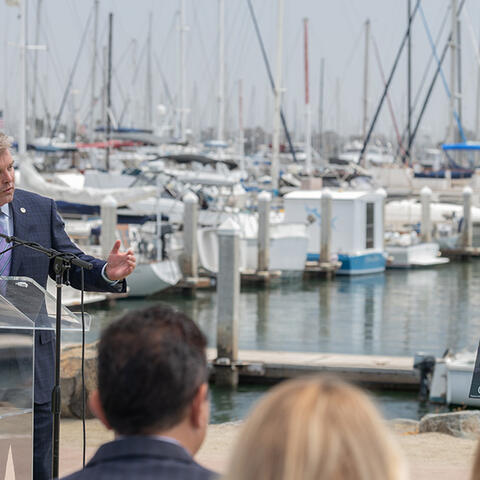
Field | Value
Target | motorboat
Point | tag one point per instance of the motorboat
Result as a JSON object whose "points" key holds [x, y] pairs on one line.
{"points": [[406, 251], [288, 245], [452, 379], [356, 227]]}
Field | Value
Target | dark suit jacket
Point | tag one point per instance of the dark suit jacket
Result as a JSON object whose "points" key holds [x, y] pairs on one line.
{"points": [[142, 458], [35, 218]]}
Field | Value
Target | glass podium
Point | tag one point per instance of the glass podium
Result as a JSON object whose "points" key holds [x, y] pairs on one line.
{"points": [[24, 307]]}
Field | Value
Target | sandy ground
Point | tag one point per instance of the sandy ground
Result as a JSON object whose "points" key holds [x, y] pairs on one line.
{"points": [[430, 455]]}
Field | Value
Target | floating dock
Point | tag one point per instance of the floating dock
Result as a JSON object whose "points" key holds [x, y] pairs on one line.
{"points": [[374, 371], [462, 253], [321, 269]]}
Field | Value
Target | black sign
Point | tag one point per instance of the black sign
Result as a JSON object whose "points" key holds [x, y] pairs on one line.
{"points": [[475, 386]]}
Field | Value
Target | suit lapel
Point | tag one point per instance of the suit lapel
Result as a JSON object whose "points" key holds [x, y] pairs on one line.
{"points": [[22, 227]]}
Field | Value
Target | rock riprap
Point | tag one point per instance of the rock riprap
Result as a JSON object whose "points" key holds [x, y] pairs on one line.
{"points": [[464, 424], [71, 379]]}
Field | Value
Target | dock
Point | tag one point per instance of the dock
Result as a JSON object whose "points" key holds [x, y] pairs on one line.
{"points": [[321, 269], [190, 285], [374, 371], [461, 253], [252, 277]]}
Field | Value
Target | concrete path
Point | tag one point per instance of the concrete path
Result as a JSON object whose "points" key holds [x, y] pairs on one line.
{"points": [[429, 455]]}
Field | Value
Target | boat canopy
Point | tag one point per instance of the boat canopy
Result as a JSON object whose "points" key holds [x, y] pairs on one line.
{"points": [[125, 130], [203, 159], [123, 217], [31, 180], [461, 146]]}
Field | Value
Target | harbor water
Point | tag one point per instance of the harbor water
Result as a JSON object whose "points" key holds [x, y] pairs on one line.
{"points": [[397, 313]]}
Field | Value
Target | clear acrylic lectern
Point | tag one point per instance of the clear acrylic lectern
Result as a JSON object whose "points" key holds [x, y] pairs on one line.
{"points": [[24, 307]]}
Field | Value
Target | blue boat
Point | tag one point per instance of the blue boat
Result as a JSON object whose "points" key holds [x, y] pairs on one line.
{"points": [[357, 264], [356, 227], [362, 263]]}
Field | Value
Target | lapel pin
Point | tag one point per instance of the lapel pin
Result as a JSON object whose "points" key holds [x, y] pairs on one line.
{"points": [[23, 210]]}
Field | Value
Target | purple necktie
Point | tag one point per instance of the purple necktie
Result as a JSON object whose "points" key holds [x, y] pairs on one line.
{"points": [[5, 258]]}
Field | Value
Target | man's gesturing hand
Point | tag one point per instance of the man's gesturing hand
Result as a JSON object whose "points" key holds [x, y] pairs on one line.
{"points": [[119, 264]]}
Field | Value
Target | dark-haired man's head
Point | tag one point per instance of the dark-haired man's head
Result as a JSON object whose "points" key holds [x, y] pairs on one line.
{"points": [[152, 376]]}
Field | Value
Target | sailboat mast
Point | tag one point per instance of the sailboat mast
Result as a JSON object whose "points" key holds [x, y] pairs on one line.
{"points": [[109, 90], [477, 112], [458, 97], [409, 73], [278, 99], [338, 108], [35, 71], [22, 144], [365, 80], [91, 123], [221, 70], [241, 138], [320, 106], [149, 93], [308, 112], [182, 119], [104, 88], [453, 74]]}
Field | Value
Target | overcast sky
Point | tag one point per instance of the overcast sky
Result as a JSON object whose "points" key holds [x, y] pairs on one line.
{"points": [[336, 33]]}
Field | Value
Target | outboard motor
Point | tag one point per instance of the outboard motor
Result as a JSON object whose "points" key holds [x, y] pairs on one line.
{"points": [[425, 364]]}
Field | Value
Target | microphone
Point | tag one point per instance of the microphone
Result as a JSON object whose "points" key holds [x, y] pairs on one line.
{"points": [[6, 237], [50, 252]]}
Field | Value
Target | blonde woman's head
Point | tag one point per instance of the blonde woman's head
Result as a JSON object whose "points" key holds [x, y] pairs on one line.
{"points": [[315, 428]]}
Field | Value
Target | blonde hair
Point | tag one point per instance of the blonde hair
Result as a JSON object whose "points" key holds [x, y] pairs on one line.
{"points": [[5, 143], [475, 473], [315, 428]]}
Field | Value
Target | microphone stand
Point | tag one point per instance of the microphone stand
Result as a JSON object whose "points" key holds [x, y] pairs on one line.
{"points": [[62, 262]]}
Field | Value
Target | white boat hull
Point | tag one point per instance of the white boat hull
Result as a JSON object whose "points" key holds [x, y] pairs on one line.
{"points": [[418, 255], [459, 379], [452, 379], [288, 249], [150, 278]]}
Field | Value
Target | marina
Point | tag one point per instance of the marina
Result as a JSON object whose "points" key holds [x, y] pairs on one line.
{"points": [[312, 211], [393, 316]]}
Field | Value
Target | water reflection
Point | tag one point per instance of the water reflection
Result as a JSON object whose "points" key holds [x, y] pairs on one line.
{"points": [[232, 405], [263, 315], [397, 313], [228, 405]]}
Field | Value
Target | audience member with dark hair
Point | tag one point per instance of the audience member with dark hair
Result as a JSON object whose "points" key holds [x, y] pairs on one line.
{"points": [[153, 392]]}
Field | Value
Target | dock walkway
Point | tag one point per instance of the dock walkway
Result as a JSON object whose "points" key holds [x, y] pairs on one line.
{"points": [[383, 372]]}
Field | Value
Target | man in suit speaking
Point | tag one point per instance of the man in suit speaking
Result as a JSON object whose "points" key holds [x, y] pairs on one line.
{"points": [[35, 218], [153, 392]]}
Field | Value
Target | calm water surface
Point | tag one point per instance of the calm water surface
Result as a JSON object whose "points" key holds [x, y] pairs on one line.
{"points": [[396, 313]]}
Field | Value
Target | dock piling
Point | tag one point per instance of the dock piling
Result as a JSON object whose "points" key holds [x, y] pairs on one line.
{"points": [[263, 239], [326, 226], [382, 192], [228, 294], [426, 225], [467, 218], [108, 214], [190, 220]]}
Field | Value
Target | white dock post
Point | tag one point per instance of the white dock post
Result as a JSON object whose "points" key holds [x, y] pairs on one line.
{"points": [[108, 214], [263, 239], [382, 192], [326, 226], [190, 220], [426, 224], [467, 234], [228, 297]]}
